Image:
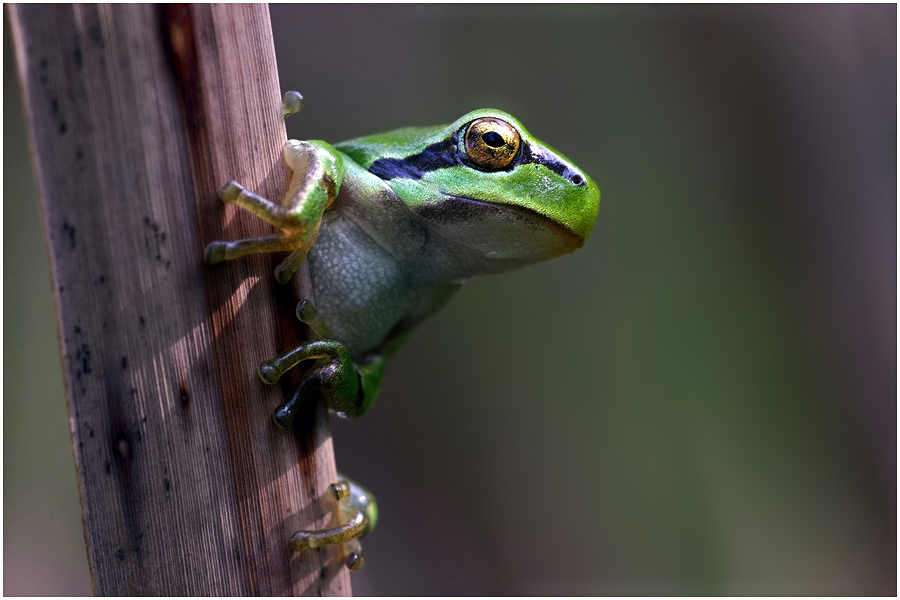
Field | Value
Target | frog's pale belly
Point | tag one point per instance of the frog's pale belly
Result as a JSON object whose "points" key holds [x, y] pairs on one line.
{"points": [[358, 287]]}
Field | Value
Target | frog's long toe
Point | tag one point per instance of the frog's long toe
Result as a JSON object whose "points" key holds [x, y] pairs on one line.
{"points": [[286, 411]]}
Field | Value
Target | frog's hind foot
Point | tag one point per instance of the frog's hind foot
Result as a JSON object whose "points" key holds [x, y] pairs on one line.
{"points": [[335, 375], [355, 525]]}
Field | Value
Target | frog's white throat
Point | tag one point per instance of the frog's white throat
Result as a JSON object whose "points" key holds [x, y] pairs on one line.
{"points": [[499, 236]]}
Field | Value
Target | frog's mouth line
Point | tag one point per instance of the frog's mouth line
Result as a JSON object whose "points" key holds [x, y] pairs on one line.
{"points": [[460, 209]]}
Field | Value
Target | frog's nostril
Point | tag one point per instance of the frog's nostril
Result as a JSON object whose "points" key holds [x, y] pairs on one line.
{"points": [[577, 179]]}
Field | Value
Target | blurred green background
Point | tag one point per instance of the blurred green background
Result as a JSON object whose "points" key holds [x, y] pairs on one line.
{"points": [[700, 401]]}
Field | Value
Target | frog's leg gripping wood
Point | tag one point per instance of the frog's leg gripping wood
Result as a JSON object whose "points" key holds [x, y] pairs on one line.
{"points": [[317, 172]]}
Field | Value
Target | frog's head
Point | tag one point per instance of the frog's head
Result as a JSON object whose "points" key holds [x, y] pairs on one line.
{"points": [[484, 182]]}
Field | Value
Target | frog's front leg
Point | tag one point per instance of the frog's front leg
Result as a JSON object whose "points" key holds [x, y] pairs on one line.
{"points": [[317, 172]]}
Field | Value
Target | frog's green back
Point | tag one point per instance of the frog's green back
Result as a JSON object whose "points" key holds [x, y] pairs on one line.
{"points": [[399, 143]]}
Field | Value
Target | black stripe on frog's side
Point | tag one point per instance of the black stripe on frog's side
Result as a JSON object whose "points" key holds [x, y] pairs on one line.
{"points": [[439, 155], [443, 154]]}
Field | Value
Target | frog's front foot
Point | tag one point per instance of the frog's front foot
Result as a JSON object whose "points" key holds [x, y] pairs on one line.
{"points": [[358, 513], [316, 174]]}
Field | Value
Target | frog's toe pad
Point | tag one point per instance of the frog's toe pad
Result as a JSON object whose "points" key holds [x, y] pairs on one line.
{"points": [[284, 415], [305, 311], [301, 541], [283, 273], [291, 103], [230, 192], [269, 373], [215, 253], [354, 561]]}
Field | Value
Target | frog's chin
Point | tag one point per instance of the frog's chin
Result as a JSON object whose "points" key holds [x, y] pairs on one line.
{"points": [[506, 235]]}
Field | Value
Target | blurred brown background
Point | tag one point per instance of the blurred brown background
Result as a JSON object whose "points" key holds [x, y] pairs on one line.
{"points": [[701, 401]]}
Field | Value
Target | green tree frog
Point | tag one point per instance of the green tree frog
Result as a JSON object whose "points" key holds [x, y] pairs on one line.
{"points": [[391, 224]]}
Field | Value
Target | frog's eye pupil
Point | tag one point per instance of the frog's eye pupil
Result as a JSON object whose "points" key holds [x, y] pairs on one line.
{"points": [[493, 139], [490, 143]]}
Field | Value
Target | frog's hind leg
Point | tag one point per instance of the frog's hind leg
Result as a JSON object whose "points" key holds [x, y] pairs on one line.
{"points": [[335, 376]]}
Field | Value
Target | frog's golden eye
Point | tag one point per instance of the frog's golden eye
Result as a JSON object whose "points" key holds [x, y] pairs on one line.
{"points": [[491, 143]]}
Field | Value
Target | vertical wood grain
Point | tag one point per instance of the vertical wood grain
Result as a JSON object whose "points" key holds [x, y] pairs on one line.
{"points": [[137, 115]]}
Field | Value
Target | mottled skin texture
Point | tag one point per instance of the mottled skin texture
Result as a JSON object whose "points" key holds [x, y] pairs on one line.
{"points": [[390, 226]]}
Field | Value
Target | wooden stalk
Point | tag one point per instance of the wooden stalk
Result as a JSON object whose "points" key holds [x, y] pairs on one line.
{"points": [[138, 114]]}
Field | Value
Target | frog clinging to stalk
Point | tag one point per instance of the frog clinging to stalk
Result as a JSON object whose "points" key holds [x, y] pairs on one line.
{"points": [[391, 224]]}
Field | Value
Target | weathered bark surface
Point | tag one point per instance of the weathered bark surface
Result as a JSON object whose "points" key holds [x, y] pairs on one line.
{"points": [[138, 114]]}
